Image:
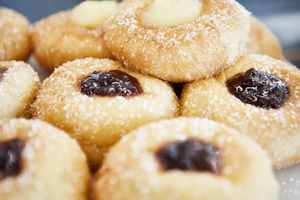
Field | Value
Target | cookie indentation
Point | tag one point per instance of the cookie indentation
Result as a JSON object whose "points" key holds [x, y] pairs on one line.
{"points": [[91, 14], [112, 83], [163, 13], [259, 88], [190, 155], [11, 157]]}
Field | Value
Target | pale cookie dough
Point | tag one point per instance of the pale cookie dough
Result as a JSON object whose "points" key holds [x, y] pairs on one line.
{"points": [[74, 34], [39, 161], [259, 96], [153, 37], [186, 159], [15, 41], [18, 87], [97, 102]]}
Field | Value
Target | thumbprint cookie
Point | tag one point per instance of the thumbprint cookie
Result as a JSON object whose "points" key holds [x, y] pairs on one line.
{"points": [[14, 36], [259, 96], [38, 161], [73, 34], [186, 158], [178, 40], [97, 101], [18, 86]]}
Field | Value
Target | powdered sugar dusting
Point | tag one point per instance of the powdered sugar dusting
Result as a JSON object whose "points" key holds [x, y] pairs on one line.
{"points": [[126, 36], [40, 175], [132, 170], [276, 129], [17, 88], [100, 120], [75, 41]]}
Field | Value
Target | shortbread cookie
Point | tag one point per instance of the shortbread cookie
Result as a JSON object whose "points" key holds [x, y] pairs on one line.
{"points": [[14, 36], [97, 102], [258, 96], [69, 35], [38, 161], [18, 86], [178, 40], [186, 158]]}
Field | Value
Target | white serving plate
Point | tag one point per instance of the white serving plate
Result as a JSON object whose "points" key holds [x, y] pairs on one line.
{"points": [[290, 183]]}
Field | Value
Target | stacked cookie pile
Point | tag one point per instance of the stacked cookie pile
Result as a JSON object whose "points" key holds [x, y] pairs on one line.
{"points": [[154, 99]]}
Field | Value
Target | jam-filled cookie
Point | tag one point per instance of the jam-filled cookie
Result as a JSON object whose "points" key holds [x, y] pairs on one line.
{"points": [[69, 35], [14, 36], [186, 158], [178, 40], [259, 96], [18, 86], [38, 161], [97, 102], [263, 41]]}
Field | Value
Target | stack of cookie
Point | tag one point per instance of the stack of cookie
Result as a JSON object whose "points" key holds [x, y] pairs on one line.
{"points": [[163, 99]]}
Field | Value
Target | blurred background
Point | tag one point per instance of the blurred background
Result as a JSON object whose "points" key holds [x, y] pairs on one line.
{"points": [[281, 16]]}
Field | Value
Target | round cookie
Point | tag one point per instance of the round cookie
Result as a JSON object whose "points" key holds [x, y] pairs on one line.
{"points": [[69, 35], [178, 40], [186, 158], [259, 96], [97, 102], [38, 161], [14, 36], [263, 41], [18, 86]]}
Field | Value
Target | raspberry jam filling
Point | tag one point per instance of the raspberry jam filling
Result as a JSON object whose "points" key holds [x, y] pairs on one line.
{"points": [[112, 83], [10, 157], [259, 89], [190, 155]]}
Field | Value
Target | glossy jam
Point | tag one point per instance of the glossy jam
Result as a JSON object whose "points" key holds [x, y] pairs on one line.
{"points": [[11, 158], [258, 88], [190, 155], [112, 83]]}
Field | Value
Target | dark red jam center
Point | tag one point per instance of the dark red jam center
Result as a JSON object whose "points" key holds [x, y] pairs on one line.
{"points": [[190, 155], [10, 157], [112, 83], [2, 71], [259, 88]]}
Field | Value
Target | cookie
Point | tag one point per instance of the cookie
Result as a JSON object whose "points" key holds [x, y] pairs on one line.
{"points": [[263, 41], [18, 86], [38, 161], [72, 34], [186, 158], [258, 96], [14, 36], [97, 101], [178, 41]]}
